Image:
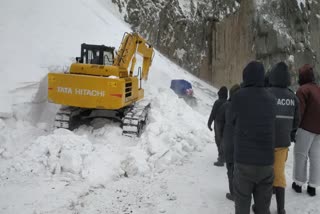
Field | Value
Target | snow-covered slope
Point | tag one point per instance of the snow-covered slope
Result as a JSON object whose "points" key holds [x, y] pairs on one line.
{"points": [[95, 169], [43, 170]]}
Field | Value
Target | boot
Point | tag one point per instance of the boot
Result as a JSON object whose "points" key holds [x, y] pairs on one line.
{"points": [[231, 192], [280, 197], [296, 187], [218, 163], [311, 191], [254, 210], [230, 196]]}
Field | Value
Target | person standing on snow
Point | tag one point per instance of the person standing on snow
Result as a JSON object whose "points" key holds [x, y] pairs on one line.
{"points": [[287, 122], [216, 116], [253, 112], [307, 144], [227, 142]]}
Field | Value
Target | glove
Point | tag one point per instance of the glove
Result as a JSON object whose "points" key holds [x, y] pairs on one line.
{"points": [[209, 128]]}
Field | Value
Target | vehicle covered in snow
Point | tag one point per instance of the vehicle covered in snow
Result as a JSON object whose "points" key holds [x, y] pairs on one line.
{"points": [[181, 87], [184, 90]]}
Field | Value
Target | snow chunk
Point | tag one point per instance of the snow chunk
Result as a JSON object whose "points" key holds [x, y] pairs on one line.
{"points": [[185, 5], [180, 53], [113, 77], [101, 166], [174, 131], [64, 150], [259, 3], [5, 106], [136, 163], [291, 59], [16, 136], [301, 3]]}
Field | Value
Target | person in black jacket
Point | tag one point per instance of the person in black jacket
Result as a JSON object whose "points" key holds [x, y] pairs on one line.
{"points": [[216, 116], [287, 122], [253, 111], [227, 142]]}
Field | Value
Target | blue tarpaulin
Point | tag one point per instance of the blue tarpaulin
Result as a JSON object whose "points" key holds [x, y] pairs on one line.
{"points": [[181, 87]]}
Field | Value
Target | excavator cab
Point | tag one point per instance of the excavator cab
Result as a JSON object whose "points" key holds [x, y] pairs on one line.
{"points": [[96, 54]]}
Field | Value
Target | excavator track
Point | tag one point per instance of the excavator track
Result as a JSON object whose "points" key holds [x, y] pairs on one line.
{"points": [[135, 119], [63, 118]]}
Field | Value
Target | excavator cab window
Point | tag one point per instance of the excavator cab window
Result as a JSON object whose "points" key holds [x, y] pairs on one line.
{"points": [[108, 58], [96, 54]]}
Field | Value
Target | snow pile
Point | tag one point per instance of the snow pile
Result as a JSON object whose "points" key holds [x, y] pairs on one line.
{"points": [[102, 166], [16, 137], [6, 110], [101, 155], [136, 163], [175, 130], [114, 155], [63, 151]]}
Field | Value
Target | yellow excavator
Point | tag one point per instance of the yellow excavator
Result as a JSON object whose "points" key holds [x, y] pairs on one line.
{"points": [[102, 84]]}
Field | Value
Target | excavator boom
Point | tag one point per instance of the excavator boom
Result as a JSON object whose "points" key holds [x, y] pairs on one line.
{"points": [[132, 44]]}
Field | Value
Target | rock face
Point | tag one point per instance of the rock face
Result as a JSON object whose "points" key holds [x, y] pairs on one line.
{"points": [[232, 46], [215, 39], [179, 29], [288, 30]]}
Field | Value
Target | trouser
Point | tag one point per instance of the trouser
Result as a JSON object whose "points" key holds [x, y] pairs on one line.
{"points": [[307, 146], [230, 167], [280, 198], [218, 138], [252, 180], [280, 158]]}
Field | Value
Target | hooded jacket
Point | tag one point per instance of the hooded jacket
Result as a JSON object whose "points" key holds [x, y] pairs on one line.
{"points": [[309, 98], [287, 110], [228, 130], [253, 111], [223, 95]]}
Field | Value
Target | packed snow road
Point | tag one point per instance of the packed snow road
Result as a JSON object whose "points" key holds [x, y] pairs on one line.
{"points": [[196, 186]]}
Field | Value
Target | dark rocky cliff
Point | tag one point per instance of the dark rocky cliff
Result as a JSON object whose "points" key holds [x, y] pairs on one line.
{"points": [[214, 39], [288, 30], [180, 29]]}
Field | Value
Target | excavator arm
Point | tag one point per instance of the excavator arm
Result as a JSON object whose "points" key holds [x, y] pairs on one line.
{"points": [[130, 45]]}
